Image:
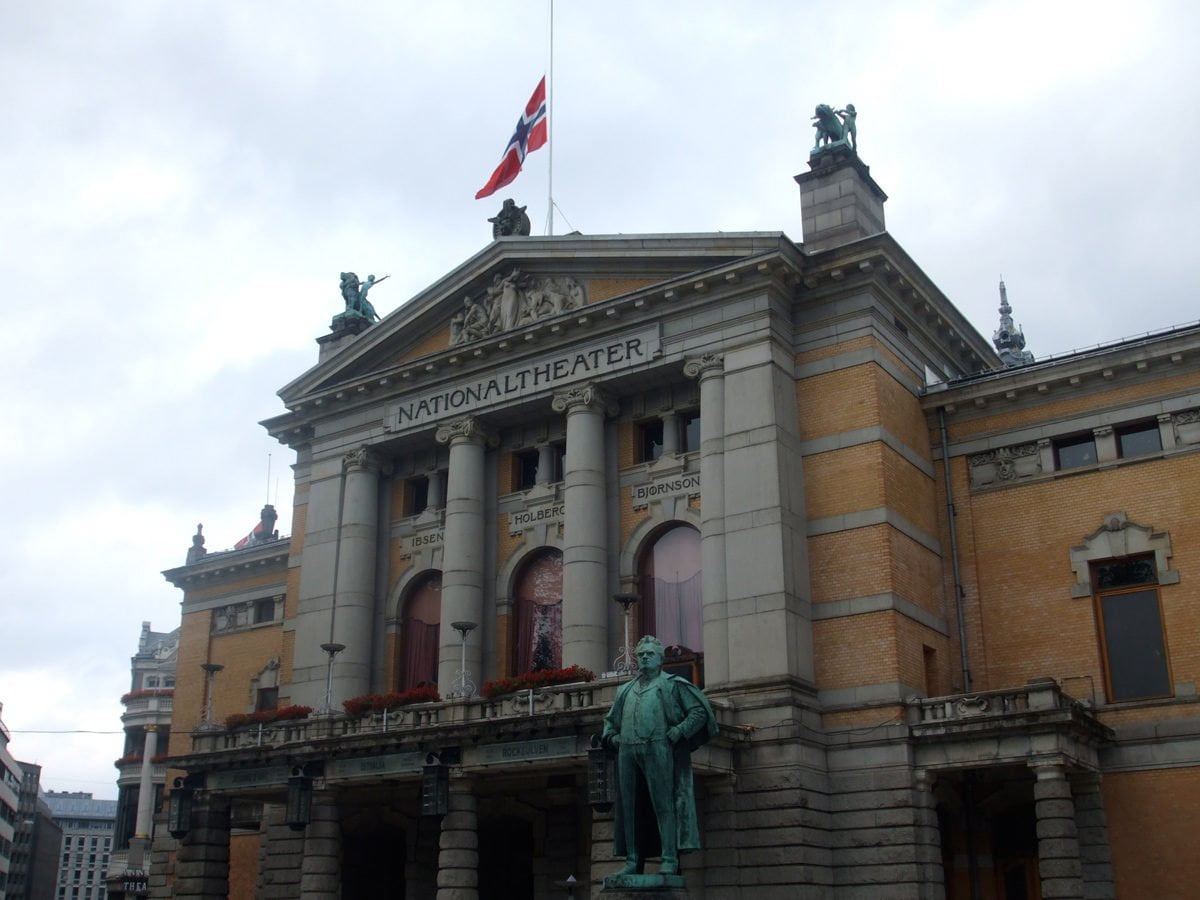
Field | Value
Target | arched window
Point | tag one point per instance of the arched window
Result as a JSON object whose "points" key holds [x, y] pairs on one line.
{"points": [[538, 606], [420, 626], [669, 574]]}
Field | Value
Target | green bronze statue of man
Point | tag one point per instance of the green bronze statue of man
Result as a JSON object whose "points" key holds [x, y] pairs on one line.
{"points": [[656, 721]]}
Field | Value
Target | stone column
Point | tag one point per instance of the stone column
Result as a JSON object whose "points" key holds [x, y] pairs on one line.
{"points": [[435, 495], [321, 870], [545, 468], [670, 427], [202, 863], [928, 838], [458, 849], [720, 837], [711, 372], [1058, 839], [354, 593], [602, 859], [463, 556], [585, 546], [1091, 823], [140, 842], [161, 869], [280, 857]]}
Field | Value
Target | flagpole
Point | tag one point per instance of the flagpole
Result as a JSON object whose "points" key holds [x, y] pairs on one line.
{"points": [[550, 126]]}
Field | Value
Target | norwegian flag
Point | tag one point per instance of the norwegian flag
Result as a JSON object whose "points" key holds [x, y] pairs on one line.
{"points": [[530, 135], [256, 532]]}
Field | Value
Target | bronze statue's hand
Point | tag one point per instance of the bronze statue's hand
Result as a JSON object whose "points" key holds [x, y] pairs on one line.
{"points": [[611, 740], [673, 735]]}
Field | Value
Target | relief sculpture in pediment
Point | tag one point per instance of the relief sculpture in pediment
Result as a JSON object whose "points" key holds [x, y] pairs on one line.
{"points": [[511, 301]]}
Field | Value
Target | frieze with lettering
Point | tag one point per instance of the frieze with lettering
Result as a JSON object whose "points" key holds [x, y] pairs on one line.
{"points": [[687, 484], [539, 515], [525, 379], [367, 766], [424, 540], [243, 778], [521, 751]]}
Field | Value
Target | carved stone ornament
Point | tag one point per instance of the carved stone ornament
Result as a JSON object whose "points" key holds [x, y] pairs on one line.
{"points": [[1117, 537], [363, 457], [468, 428], [1187, 426], [708, 364], [513, 300], [1004, 464], [586, 395]]}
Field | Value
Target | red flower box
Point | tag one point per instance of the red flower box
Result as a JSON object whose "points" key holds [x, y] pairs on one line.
{"points": [[538, 679], [148, 692], [372, 703], [266, 716]]}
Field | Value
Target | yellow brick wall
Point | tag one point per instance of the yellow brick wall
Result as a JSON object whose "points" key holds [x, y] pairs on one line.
{"points": [[189, 680], [838, 401], [243, 866], [843, 481], [1020, 569], [603, 288], [850, 564], [1150, 860], [434, 342], [855, 650]]}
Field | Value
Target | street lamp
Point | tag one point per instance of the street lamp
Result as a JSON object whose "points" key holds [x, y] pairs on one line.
{"points": [[333, 650], [626, 662], [464, 687], [206, 718]]}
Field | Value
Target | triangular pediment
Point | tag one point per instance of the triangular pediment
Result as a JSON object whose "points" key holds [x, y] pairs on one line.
{"points": [[518, 284]]}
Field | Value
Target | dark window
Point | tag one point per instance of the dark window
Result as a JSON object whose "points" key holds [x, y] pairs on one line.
{"points": [[267, 698], [1131, 630], [525, 465], [650, 440], [264, 610], [418, 495], [1136, 440], [689, 431], [1073, 452]]}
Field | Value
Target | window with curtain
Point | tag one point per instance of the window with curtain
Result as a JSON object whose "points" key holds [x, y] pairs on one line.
{"points": [[670, 598], [538, 606], [420, 628]]}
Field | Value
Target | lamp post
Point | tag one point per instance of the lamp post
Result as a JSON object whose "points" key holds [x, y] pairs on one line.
{"points": [[333, 650], [464, 687], [626, 662], [206, 717]]}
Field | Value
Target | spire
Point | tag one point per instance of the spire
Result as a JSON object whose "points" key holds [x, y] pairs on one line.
{"points": [[1008, 338]]}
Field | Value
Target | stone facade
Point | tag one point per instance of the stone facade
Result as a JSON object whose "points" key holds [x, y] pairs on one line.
{"points": [[870, 570]]}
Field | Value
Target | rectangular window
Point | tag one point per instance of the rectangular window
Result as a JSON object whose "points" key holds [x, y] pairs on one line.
{"points": [[525, 469], [264, 610], [689, 431], [650, 440], [417, 492], [1138, 440], [1071, 453], [1131, 630], [268, 698]]}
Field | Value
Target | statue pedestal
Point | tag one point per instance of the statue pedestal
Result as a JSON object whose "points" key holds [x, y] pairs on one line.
{"points": [[644, 887]]}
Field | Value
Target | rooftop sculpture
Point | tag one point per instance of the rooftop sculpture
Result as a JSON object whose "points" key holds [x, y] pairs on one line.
{"points": [[510, 221], [835, 126], [1008, 338], [359, 312]]}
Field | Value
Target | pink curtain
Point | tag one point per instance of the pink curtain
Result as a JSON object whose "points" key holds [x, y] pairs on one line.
{"points": [[538, 631], [671, 589], [421, 633]]}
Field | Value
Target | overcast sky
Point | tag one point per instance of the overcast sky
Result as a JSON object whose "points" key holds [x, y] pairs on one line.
{"points": [[182, 182]]}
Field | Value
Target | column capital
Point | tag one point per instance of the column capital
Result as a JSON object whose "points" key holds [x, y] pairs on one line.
{"points": [[587, 396], [1049, 768], [364, 458], [467, 429], [705, 366]]}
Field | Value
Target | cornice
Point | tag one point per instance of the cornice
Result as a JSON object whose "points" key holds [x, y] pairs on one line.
{"points": [[782, 264], [231, 565], [1153, 356]]}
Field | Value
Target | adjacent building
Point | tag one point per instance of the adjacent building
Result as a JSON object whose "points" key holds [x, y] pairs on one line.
{"points": [[36, 840], [141, 771], [942, 598], [10, 788], [87, 840]]}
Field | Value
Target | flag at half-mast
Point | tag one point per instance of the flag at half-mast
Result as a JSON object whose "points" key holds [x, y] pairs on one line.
{"points": [[529, 136]]}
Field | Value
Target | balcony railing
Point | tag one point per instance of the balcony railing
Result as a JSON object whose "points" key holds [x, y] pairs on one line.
{"points": [[1035, 697], [564, 698]]}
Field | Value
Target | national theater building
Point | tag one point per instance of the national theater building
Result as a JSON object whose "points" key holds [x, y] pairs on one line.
{"points": [[943, 599]]}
